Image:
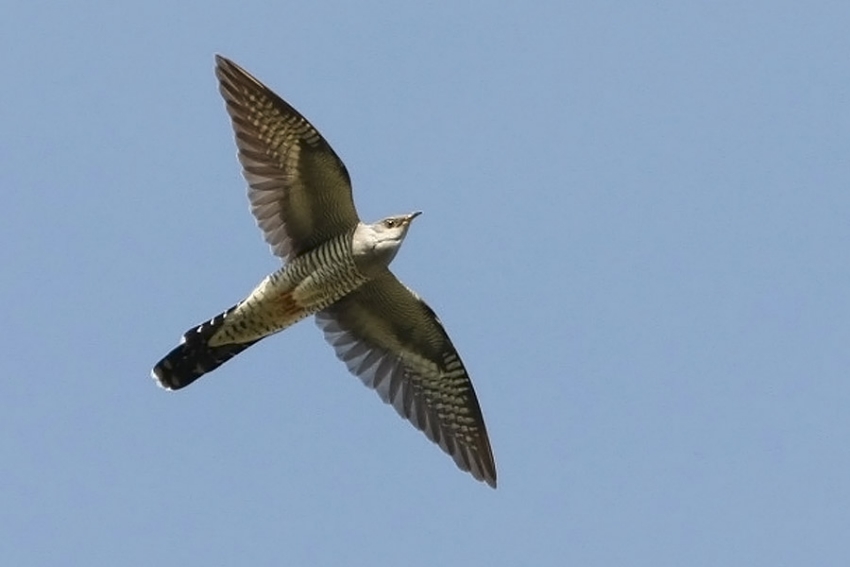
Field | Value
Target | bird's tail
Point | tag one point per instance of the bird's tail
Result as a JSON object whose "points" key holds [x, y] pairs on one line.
{"points": [[194, 357]]}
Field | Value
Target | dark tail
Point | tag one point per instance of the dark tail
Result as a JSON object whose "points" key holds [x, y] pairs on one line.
{"points": [[193, 357]]}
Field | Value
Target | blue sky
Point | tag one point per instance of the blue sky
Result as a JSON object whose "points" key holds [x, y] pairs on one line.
{"points": [[635, 230]]}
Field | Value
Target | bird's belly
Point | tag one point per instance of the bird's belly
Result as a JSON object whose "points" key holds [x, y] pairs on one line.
{"points": [[284, 298]]}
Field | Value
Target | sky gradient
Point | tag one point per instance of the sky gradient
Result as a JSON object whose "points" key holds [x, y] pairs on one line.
{"points": [[635, 231]]}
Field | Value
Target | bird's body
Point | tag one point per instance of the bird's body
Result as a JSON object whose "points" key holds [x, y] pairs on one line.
{"points": [[336, 267], [302, 287]]}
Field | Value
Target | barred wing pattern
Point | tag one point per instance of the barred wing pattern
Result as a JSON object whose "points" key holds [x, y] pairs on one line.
{"points": [[391, 340], [300, 191]]}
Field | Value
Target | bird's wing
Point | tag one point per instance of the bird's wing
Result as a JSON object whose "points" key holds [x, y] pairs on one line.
{"points": [[299, 189], [392, 340]]}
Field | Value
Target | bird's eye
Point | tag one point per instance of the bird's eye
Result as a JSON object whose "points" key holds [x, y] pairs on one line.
{"points": [[389, 223]]}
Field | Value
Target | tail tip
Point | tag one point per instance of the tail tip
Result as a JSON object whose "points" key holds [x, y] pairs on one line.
{"points": [[161, 375]]}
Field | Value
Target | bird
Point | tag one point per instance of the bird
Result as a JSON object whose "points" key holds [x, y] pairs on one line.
{"points": [[335, 268]]}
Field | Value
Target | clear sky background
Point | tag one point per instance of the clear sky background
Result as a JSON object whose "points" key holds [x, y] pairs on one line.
{"points": [[636, 229]]}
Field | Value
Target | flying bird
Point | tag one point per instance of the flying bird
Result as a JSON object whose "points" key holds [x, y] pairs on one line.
{"points": [[336, 268]]}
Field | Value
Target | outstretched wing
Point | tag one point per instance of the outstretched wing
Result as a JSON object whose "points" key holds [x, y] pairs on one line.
{"points": [[299, 189], [391, 340]]}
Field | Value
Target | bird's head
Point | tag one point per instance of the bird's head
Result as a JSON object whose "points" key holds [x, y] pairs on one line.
{"points": [[394, 228], [390, 232], [386, 236]]}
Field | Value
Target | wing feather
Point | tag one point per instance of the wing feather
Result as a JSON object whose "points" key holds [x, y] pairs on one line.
{"points": [[300, 191], [391, 340]]}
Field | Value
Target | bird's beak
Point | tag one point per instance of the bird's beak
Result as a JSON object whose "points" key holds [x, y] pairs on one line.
{"points": [[412, 216]]}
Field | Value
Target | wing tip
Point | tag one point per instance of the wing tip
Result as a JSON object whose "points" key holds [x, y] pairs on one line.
{"points": [[477, 460], [224, 64]]}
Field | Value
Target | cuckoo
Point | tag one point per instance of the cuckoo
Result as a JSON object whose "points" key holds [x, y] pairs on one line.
{"points": [[336, 268]]}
